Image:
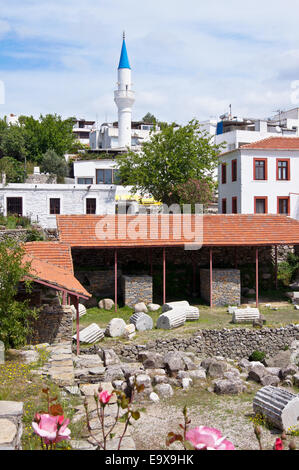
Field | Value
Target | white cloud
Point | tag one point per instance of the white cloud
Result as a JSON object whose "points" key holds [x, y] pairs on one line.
{"points": [[189, 59]]}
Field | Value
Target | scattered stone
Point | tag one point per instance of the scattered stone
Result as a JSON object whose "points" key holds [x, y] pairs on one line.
{"points": [[173, 362], [186, 383], [153, 307], [140, 307], [82, 311], [172, 305], [106, 304], [281, 359], [151, 360], [216, 368], [290, 370], [164, 390], [109, 357], [296, 380], [270, 380], [228, 387], [113, 372], [172, 319], [280, 407], [154, 397], [256, 372], [199, 374], [245, 315], [142, 321], [115, 328], [90, 334], [82, 445]]}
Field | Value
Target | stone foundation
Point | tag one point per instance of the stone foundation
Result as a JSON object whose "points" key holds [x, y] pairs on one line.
{"points": [[53, 325], [137, 289], [99, 283], [226, 286], [11, 413]]}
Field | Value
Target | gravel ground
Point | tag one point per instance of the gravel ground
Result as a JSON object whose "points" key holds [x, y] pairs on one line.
{"points": [[231, 415]]}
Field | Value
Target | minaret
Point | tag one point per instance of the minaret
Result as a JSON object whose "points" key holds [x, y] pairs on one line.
{"points": [[124, 98]]}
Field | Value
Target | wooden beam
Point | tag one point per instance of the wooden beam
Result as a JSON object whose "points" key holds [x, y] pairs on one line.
{"points": [[211, 277], [76, 303], [164, 276], [115, 280], [257, 277]]}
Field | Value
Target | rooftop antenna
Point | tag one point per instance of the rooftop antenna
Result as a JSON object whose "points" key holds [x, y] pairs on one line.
{"points": [[230, 111], [124, 35]]}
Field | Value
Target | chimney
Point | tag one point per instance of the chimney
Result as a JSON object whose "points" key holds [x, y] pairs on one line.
{"points": [[3, 178]]}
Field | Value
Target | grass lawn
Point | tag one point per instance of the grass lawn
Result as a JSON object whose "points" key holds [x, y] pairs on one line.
{"points": [[18, 382], [215, 318]]}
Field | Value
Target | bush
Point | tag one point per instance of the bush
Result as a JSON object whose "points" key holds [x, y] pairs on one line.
{"points": [[258, 356], [15, 316]]}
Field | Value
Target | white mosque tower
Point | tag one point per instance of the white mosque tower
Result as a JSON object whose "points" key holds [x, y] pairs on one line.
{"points": [[124, 98]]}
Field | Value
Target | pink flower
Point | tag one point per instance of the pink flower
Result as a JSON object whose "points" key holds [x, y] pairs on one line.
{"points": [[278, 444], [104, 397], [51, 428], [204, 438]]}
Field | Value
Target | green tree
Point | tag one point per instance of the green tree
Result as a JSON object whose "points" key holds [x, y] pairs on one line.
{"points": [[149, 118], [195, 192], [15, 316], [14, 170], [170, 158], [13, 143], [50, 132], [54, 165]]}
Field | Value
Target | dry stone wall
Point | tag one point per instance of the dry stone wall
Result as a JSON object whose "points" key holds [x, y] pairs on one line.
{"points": [[53, 325], [11, 414], [226, 286], [137, 289], [235, 343]]}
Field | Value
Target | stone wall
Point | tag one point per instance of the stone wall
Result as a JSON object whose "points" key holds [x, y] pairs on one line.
{"points": [[234, 343], [226, 286], [99, 283], [53, 325], [137, 289], [11, 413], [19, 235]]}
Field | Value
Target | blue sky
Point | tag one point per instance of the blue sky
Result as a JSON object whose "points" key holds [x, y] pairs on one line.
{"points": [[189, 59]]}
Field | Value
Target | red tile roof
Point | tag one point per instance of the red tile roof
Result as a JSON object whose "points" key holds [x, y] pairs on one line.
{"points": [[218, 230], [274, 143], [55, 276], [53, 252]]}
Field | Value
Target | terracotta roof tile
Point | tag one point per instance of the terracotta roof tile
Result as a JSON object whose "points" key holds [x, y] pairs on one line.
{"points": [[218, 230], [274, 143], [54, 252], [56, 276]]}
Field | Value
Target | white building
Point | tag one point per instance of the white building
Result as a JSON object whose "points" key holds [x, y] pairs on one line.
{"points": [[41, 202], [234, 131], [262, 177], [82, 129], [106, 137]]}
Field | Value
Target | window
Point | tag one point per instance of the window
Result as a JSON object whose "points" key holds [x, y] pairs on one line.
{"points": [[14, 206], [116, 178], [223, 173], [234, 170], [261, 205], [259, 169], [85, 181], [234, 205], [104, 176], [283, 169], [91, 205], [223, 206], [283, 205], [54, 206]]}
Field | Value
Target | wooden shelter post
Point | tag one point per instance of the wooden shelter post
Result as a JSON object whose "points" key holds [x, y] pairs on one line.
{"points": [[115, 280], [257, 276], [211, 277]]}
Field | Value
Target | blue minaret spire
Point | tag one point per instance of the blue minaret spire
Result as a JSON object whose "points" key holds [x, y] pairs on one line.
{"points": [[124, 60]]}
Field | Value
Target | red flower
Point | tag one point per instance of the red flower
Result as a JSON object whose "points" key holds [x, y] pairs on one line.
{"points": [[104, 397], [278, 444]]}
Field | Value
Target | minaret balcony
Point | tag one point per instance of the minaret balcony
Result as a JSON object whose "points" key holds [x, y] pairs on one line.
{"points": [[124, 94]]}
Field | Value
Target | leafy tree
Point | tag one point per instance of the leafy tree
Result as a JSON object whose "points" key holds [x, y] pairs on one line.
{"points": [[171, 157], [50, 132], [13, 143], [149, 118], [15, 316], [195, 192], [54, 165], [13, 169]]}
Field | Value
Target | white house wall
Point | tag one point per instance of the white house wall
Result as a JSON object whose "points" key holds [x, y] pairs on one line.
{"points": [[246, 188], [36, 200]]}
